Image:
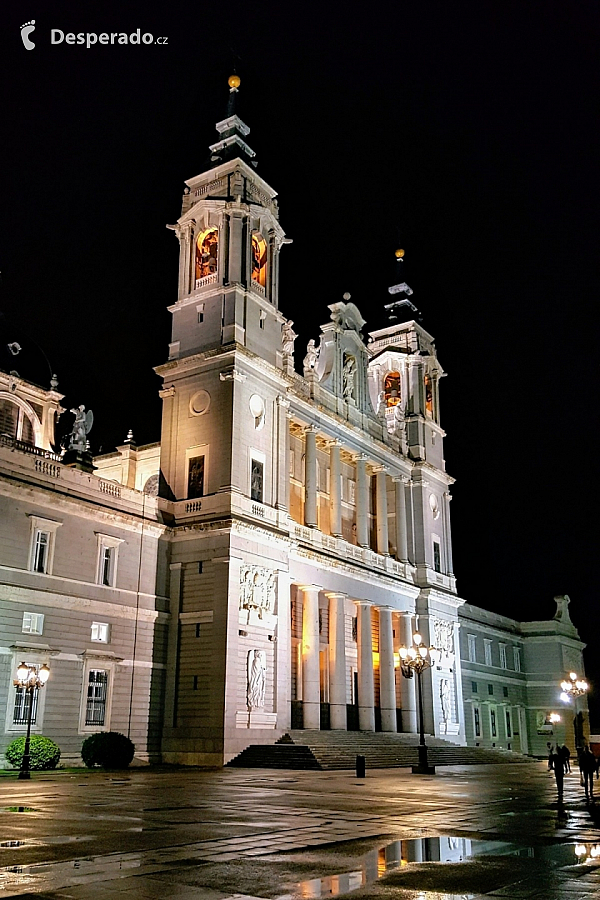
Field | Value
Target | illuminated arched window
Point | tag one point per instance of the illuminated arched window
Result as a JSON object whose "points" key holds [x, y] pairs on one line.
{"points": [[14, 423], [391, 387], [428, 396], [207, 250], [259, 259]]}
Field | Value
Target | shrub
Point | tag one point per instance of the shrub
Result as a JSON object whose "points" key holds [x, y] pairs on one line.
{"points": [[43, 753], [108, 749]]}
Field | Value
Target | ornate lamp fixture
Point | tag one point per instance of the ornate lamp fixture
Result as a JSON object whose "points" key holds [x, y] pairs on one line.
{"points": [[574, 688], [416, 659], [30, 679]]}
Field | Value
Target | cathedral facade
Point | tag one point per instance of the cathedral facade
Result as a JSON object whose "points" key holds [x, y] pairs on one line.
{"points": [[259, 568]]}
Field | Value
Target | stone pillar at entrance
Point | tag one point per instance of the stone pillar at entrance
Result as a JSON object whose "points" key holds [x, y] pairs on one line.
{"points": [[366, 700], [335, 488], [337, 660], [401, 522], [311, 685], [408, 694], [362, 501], [387, 676], [382, 512], [310, 478]]}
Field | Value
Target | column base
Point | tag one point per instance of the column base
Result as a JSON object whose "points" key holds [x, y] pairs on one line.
{"points": [[423, 770], [311, 715]]}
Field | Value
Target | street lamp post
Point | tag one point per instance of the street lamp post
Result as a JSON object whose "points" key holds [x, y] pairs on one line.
{"points": [[575, 687], [416, 659], [29, 679]]}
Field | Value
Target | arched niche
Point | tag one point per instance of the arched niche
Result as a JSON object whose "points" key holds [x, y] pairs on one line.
{"points": [[207, 253], [18, 420], [259, 259], [392, 387]]}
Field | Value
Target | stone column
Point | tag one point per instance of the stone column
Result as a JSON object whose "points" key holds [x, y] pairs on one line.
{"points": [[447, 532], [310, 477], [337, 660], [408, 692], [335, 488], [173, 646], [401, 522], [283, 453], [387, 677], [362, 501], [311, 682], [382, 511], [366, 685]]}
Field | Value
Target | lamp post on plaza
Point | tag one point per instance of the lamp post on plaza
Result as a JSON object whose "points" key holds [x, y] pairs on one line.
{"points": [[416, 659], [29, 679], [574, 688]]}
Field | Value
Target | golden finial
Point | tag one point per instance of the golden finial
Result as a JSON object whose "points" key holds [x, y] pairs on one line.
{"points": [[399, 254], [234, 82]]}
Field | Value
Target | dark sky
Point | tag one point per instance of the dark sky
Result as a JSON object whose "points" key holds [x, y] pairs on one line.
{"points": [[465, 132]]}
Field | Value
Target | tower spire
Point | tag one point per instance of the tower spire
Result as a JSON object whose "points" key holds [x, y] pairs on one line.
{"points": [[232, 132]]}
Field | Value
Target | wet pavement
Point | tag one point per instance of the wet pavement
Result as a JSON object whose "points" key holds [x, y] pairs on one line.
{"points": [[468, 832]]}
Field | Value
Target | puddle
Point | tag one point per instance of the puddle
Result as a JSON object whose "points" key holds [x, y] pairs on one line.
{"points": [[378, 863], [19, 809]]}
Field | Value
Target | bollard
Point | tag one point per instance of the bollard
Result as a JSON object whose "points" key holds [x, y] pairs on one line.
{"points": [[360, 766]]}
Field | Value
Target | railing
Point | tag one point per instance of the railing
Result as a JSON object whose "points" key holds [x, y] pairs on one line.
{"points": [[258, 288], [211, 186], [346, 550], [109, 487], [24, 447], [47, 468], [203, 282]]}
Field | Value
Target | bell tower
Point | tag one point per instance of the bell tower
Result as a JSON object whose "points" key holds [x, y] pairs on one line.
{"points": [[230, 237]]}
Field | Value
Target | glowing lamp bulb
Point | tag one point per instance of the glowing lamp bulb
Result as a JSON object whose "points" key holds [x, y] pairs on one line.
{"points": [[417, 639], [403, 652], [580, 850], [44, 673], [399, 254], [23, 672], [234, 82], [564, 697], [573, 676]]}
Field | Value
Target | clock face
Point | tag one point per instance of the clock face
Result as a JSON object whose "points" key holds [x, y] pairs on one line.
{"points": [[434, 506]]}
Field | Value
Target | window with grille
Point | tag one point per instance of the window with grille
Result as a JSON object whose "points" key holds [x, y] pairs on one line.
{"points": [[437, 559], [256, 480], [95, 712], [477, 721], [23, 700]]}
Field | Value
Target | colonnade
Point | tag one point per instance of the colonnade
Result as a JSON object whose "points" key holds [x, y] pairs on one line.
{"points": [[362, 497], [338, 669]]}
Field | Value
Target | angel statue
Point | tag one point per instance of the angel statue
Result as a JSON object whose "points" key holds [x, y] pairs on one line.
{"points": [[81, 428]]}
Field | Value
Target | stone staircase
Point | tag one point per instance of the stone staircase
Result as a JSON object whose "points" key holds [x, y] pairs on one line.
{"points": [[311, 749]]}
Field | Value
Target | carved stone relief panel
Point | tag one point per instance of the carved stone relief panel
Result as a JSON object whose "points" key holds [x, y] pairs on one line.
{"points": [[258, 595], [443, 639]]}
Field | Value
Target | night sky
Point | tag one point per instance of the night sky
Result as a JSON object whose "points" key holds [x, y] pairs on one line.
{"points": [[465, 133]]}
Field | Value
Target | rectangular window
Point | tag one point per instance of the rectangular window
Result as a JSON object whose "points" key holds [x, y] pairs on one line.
{"points": [[517, 658], [40, 551], [256, 480], [95, 711], [23, 700], [292, 463], [101, 632], [33, 623], [503, 656], [474, 687], [487, 650], [472, 648], [505, 691], [195, 486], [490, 689], [508, 724], [493, 726], [477, 721], [200, 311], [106, 565], [354, 629], [437, 564]]}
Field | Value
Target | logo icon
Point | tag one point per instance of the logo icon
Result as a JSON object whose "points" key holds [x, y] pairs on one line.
{"points": [[27, 29]]}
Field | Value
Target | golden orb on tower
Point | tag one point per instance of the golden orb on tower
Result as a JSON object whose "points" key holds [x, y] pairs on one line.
{"points": [[234, 82], [399, 254]]}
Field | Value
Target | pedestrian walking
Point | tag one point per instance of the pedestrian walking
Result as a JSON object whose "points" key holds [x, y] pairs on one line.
{"points": [[550, 748], [558, 764], [567, 758], [587, 767]]}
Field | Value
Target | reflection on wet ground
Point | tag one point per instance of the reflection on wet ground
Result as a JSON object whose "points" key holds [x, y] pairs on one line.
{"points": [[378, 863]]}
